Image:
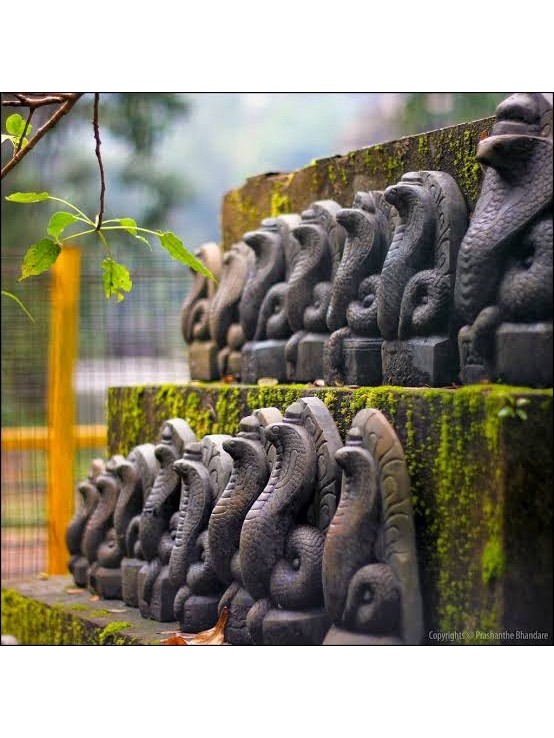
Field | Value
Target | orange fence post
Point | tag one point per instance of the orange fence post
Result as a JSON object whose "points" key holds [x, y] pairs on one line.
{"points": [[61, 403]]}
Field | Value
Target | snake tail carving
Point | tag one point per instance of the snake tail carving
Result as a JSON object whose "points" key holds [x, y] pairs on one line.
{"points": [[78, 563], [370, 571]]}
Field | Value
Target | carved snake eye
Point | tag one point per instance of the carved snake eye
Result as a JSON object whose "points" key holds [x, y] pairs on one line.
{"points": [[317, 305], [367, 595], [368, 301], [295, 563], [203, 556], [277, 308], [173, 535], [424, 300]]}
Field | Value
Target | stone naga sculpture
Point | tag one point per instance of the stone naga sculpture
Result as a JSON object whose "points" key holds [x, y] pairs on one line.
{"points": [[308, 295], [504, 278], [78, 563], [158, 524], [225, 328], [205, 470], [353, 352], [262, 306], [370, 572], [136, 473], [415, 305], [195, 311], [100, 544], [252, 456], [281, 542]]}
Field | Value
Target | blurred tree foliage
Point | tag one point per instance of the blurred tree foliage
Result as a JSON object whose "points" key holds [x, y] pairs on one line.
{"points": [[425, 111]]}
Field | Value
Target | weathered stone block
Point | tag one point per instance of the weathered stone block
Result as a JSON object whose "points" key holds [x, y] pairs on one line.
{"points": [[203, 360], [430, 361], [524, 353], [263, 359]]}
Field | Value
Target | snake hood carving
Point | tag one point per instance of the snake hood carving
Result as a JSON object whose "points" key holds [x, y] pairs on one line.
{"points": [[272, 322], [505, 264], [204, 470], [163, 500], [238, 264], [101, 521], [136, 473], [75, 530], [281, 542], [195, 308], [370, 574], [418, 272], [321, 241]]}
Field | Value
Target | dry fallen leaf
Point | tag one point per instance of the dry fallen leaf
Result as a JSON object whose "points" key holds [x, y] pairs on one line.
{"points": [[118, 609], [211, 637], [94, 598], [43, 575], [74, 590], [228, 379], [319, 383], [267, 381]]}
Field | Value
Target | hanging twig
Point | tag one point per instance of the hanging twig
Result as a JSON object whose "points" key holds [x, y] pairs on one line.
{"points": [[99, 157], [69, 100], [22, 137]]}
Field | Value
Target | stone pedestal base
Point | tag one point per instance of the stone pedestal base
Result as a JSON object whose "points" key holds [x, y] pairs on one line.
{"points": [[339, 637], [160, 606], [362, 361], [236, 631], [263, 359], [291, 628], [129, 581], [234, 363], [431, 361], [199, 613], [79, 567], [309, 358], [107, 583], [473, 369], [203, 360], [524, 354]]}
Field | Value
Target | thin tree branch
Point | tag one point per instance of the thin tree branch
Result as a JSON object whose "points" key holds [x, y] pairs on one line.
{"points": [[63, 109], [32, 102], [96, 129]]}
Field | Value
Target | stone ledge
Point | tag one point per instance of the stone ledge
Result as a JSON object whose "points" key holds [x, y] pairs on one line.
{"points": [[481, 483], [54, 612]]}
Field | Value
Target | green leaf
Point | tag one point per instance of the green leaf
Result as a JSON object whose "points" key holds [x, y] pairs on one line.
{"points": [[506, 412], [59, 222], [21, 305], [129, 224], [15, 125], [522, 401], [521, 414], [39, 258], [174, 247], [27, 197], [116, 278]]}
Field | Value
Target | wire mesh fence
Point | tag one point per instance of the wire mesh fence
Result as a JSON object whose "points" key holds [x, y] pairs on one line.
{"points": [[137, 341]]}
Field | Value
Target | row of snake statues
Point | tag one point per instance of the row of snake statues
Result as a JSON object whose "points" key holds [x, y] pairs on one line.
{"points": [[305, 540], [403, 287]]}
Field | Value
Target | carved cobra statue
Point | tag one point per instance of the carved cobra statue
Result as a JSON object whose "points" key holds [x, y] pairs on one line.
{"points": [[418, 273], [100, 544], [272, 321], [505, 264], [281, 542], [195, 308], [205, 470], [370, 574], [249, 450], [137, 473], [78, 564], [155, 535], [225, 328], [266, 243], [353, 306]]}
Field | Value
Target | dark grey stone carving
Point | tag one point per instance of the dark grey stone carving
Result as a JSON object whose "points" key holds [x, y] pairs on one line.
{"points": [[78, 563], [205, 470], [225, 328], [308, 295], [202, 350], [262, 305], [281, 542], [158, 524], [353, 352], [415, 306], [504, 278], [252, 455], [137, 473], [100, 544], [370, 572]]}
